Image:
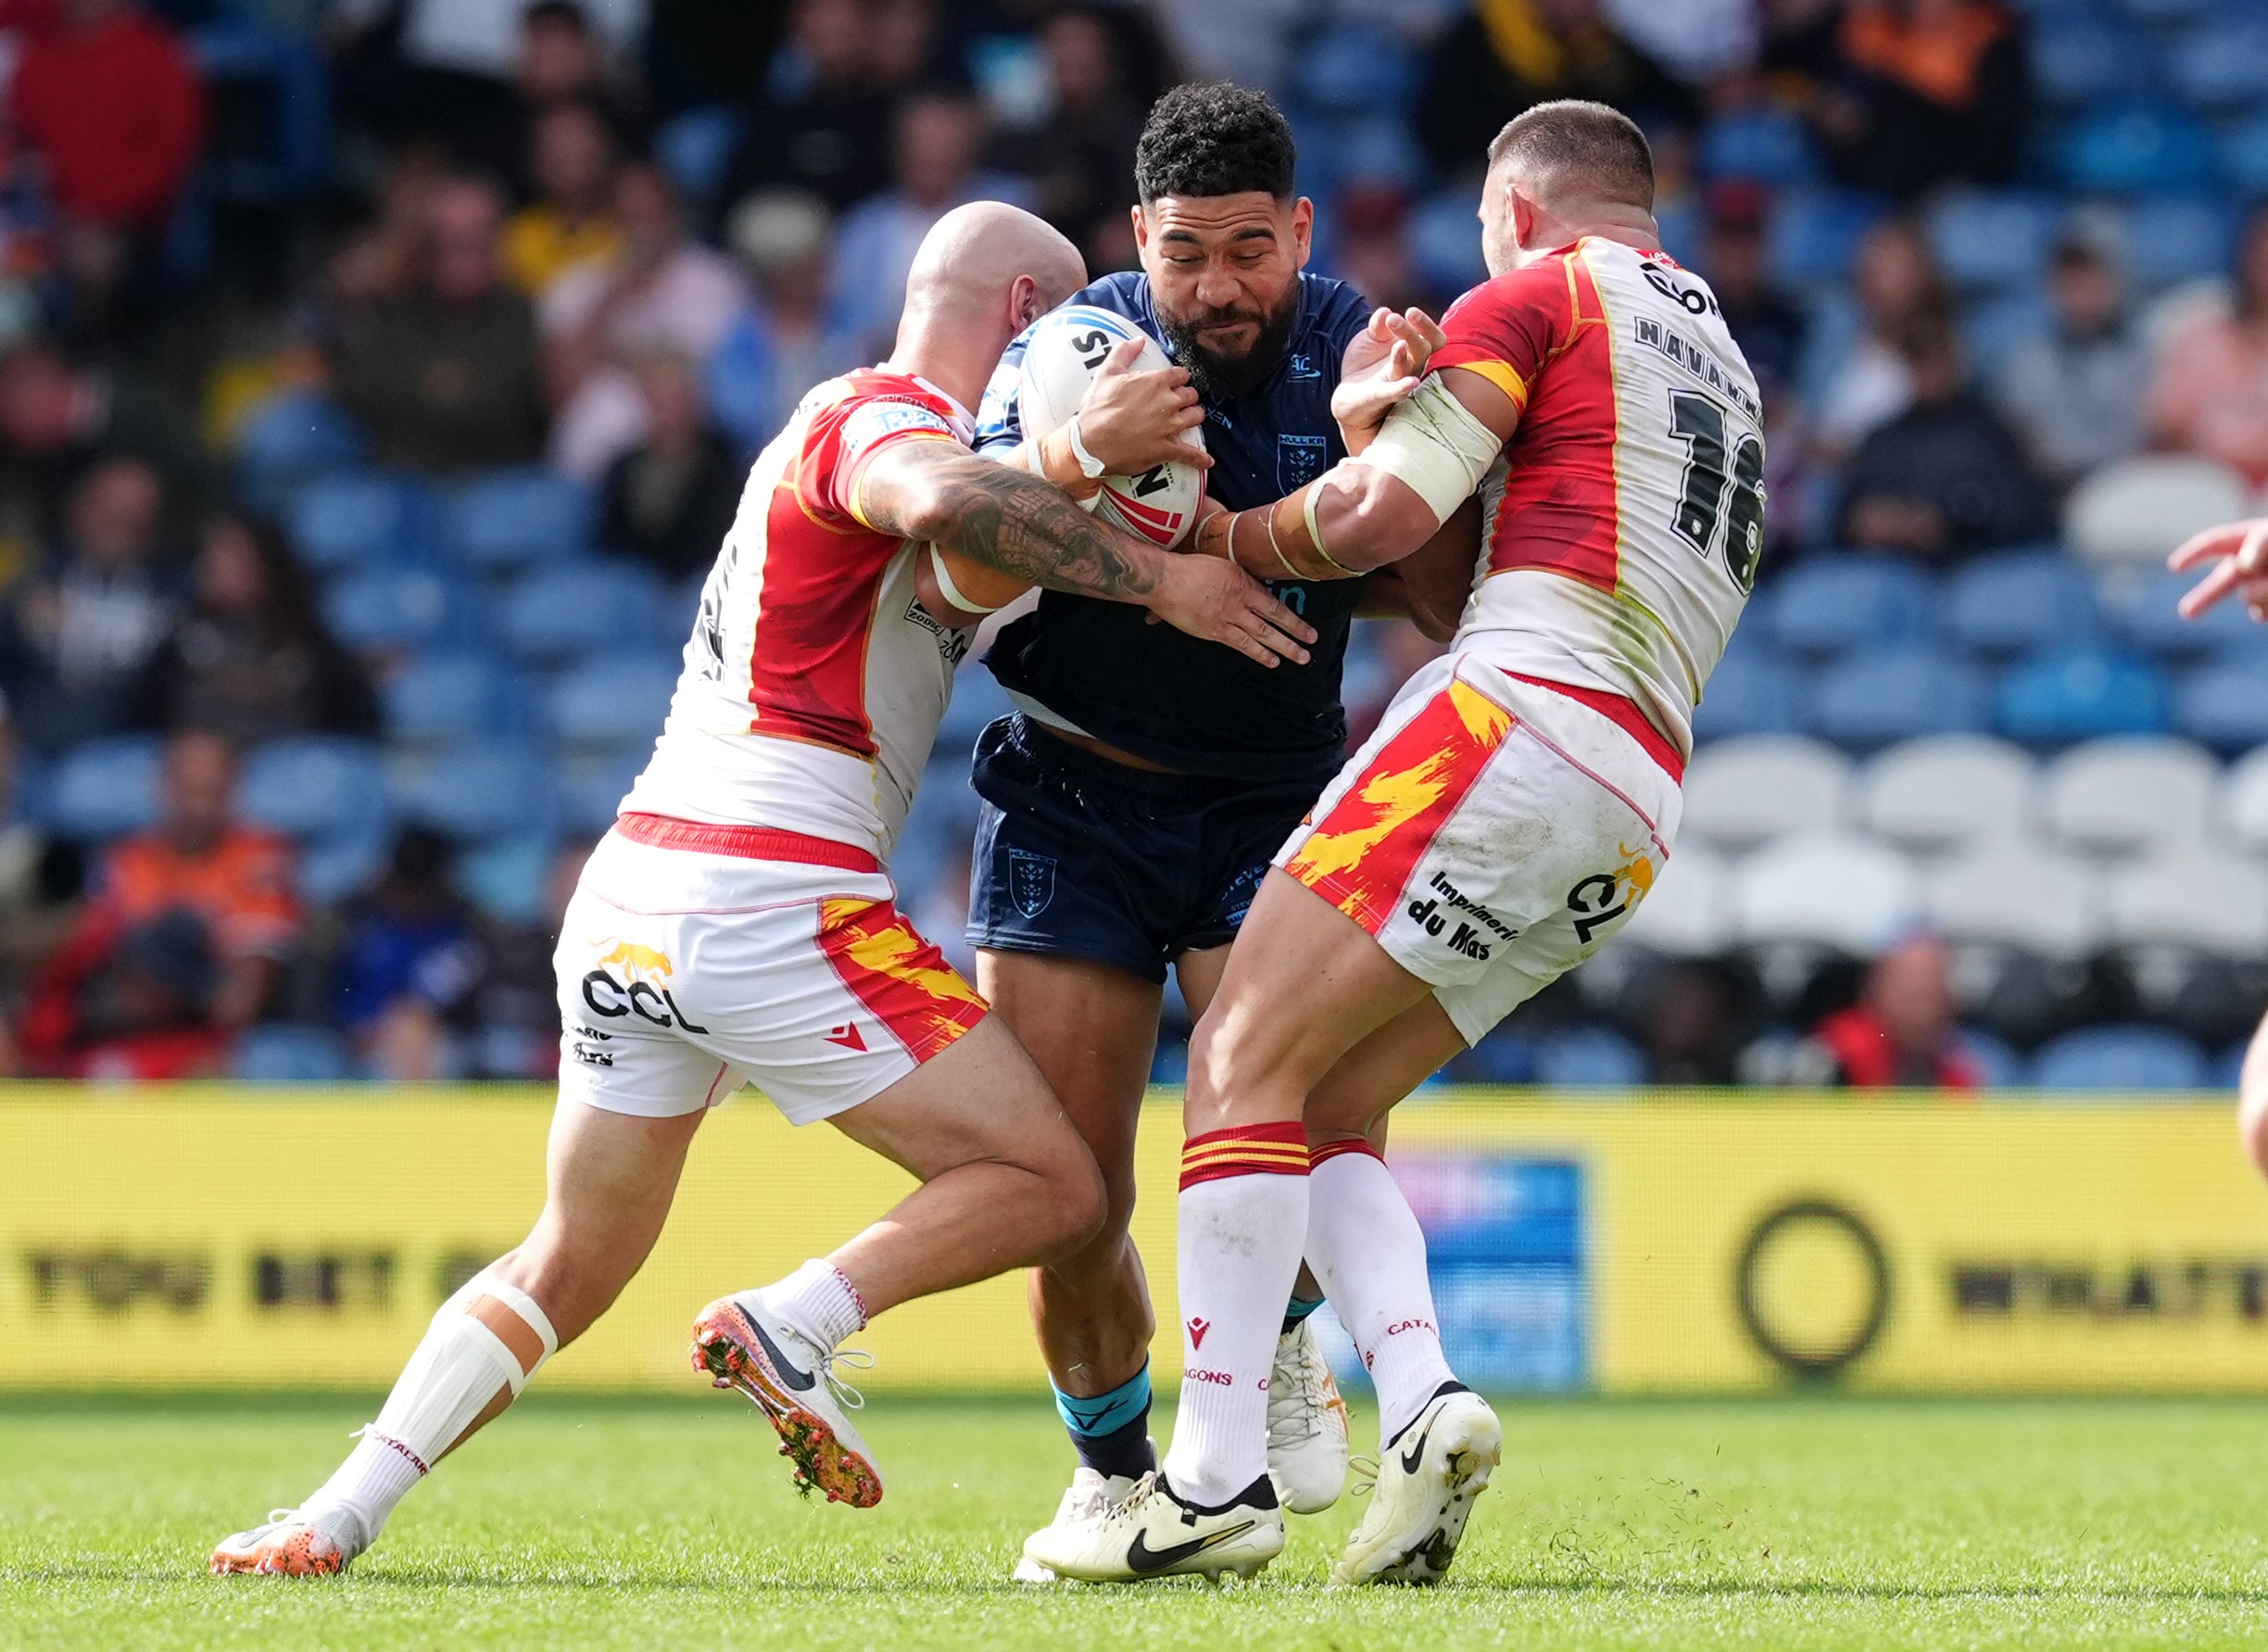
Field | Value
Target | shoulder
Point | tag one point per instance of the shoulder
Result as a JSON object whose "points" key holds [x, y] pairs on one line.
{"points": [[1333, 308], [1125, 292]]}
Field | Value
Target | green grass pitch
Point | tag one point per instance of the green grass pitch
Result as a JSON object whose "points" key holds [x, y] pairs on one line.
{"points": [[1817, 1524]]}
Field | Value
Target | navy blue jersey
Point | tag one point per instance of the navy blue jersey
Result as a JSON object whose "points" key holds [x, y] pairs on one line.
{"points": [[1152, 691]]}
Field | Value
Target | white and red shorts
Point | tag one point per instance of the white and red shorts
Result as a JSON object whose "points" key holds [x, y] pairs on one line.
{"points": [[696, 958], [1493, 833]]}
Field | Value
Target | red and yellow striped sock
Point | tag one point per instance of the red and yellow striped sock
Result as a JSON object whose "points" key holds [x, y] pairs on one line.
{"points": [[1246, 1149]]}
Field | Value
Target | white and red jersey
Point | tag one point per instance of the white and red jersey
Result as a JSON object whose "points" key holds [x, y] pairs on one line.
{"points": [[1622, 521], [814, 680]]}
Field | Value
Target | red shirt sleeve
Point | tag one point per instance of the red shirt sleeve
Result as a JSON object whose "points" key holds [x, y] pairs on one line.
{"points": [[1506, 329], [845, 436]]}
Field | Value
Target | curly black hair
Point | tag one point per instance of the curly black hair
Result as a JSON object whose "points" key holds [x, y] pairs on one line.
{"points": [[1214, 138]]}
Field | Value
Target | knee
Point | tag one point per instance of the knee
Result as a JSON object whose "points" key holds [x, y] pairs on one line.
{"points": [[1073, 1207]]}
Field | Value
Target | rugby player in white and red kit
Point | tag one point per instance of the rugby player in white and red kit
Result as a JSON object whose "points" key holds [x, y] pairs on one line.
{"points": [[738, 924], [1518, 800]]}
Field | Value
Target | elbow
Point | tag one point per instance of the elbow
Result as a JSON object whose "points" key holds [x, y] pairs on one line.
{"points": [[1383, 521]]}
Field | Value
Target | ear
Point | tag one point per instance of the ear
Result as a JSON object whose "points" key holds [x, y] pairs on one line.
{"points": [[1027, 304], [1142, 229], [1526, 214], [1302, 228]]}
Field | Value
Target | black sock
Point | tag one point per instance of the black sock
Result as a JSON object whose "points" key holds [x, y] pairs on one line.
{"points": [[1124, 1452]]}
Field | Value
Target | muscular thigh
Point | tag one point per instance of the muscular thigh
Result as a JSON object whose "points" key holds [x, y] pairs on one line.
{"points": [[1091, 1031]]}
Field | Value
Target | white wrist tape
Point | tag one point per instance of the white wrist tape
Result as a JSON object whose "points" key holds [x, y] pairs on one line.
{"points": [[1433, 442], [951, 592]]}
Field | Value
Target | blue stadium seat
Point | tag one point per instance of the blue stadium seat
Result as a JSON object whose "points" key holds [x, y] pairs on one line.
{"points": [[2168, 11], [316, 787], [1999, 1066], [288, 441], [1832, 602], [2224, 705], [440, 698], [2221, 64], [2137, 149], [696, 147], [288, 1052], [508, 519], [2013, 601], [358, 519], [477, 792], [505, 876], [1357, 69], [1993, 238], [585, 607], [104, 788], [1753, 690], [592, 786], [1814, 232], [1767, 145], [285, 75], [334, 870], [388, 609], [2171, 239], [1994, 328], [1503, 1057], [2080, 59], [1589, 1058], [612, 699], [2081, 693], [1870, 700], [2122, 1057], [2244, 156], [1445, 240], [2149, 619], [2225, 1071]]}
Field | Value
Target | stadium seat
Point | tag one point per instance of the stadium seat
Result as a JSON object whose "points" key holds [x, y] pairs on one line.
{"points": [[2243, 808], [1955, 791], [2244, 156], [1994, 329], [2224, 704], [696, 147], [2015, 600], [333, 871], [316, 787], [2136, 510], [2169, 11], [1743, 792], [1689, 913], [1753, 690], [2222, 64], [2029, 896], [612, 700], [2137, 1058], [592, 786], [102, 788], [505, 521], [2136, 150], [390, 609], [2225, 1071], [1828, 603], [2149, 616], [475, 791], [288, 1052], [2080, 59], [1357, 69], [1589, 1058], [588, 607], [506, 875], [1998, 1067], [357, 520], [1764, 144], [440, 698], [2171, 239], [1830, 889], [1987, 239], [2120, 795], [1894, 693], [288, 441], [1815, 231], [1444, 240], [977, 698], [2083, 693], [2190, 895]]}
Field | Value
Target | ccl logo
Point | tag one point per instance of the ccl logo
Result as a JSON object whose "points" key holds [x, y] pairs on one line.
{"points": [[637, 989]]}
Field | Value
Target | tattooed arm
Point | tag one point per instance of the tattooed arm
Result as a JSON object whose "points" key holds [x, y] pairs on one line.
{"points": [[1016, 525]]}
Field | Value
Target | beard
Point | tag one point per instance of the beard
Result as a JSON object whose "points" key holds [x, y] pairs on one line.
{"points": [[1219, 377]]}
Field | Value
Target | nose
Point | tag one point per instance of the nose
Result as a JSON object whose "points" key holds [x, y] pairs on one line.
{"points": [[1217, 289]]}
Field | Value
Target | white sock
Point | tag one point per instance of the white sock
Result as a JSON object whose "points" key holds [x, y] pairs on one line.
{"points": [[489, 1337], [1243, 1211], [1366, 1246], [820, 1305]]}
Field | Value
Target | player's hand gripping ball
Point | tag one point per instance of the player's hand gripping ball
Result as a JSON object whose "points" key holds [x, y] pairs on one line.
{"points": [[1067, 348]]}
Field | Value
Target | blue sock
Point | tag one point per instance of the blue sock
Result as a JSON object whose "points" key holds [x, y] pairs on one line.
{"points": [[1298, 1308], [1111, 1431]]}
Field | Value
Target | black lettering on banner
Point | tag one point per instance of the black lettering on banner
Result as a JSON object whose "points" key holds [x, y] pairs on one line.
{"points": [[1590, 900], [2166, 1292], [329, 1280], [1717, 493], [114, 1278], [1785, 1343]]}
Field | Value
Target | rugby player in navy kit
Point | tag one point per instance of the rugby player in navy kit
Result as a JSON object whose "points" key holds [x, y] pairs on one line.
{"points": [[1132, 803]]}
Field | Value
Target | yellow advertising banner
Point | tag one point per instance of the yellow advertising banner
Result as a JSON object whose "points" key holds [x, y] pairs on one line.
{"points": [[206, 1237]]}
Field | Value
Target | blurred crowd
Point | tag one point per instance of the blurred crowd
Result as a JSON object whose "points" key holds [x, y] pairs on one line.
{"points": [[251, 250]]}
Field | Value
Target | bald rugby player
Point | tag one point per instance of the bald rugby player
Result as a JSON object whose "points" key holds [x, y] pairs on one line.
{"points": [[738, 925]]}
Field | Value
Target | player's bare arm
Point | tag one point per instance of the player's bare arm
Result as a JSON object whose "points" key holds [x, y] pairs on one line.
{"points": [[1428, 587], [1020, 526], [1127, 422], [1430, 455], [1382, 366]]}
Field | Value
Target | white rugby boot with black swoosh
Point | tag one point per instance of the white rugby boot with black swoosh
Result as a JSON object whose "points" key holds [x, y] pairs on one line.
{"points": [[1427, 1480], [1151, 1534], [738, 1343]]}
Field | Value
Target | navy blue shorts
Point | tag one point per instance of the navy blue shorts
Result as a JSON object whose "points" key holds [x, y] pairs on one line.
{"points": [[1086, 858]]}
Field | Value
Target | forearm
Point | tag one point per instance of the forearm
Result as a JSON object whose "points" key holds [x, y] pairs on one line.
{"points": [[1051, 458], [1009, 521], [1351, 520]]}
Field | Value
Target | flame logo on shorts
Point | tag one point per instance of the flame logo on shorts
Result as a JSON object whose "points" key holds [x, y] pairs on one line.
{"points": [[901, 978], [634, 961]]}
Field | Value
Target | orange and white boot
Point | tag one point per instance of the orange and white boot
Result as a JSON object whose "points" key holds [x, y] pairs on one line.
{"points": [[738, 1343], [292, 1544]]}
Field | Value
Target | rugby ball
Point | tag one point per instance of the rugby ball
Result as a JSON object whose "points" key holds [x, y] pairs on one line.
{"points": [[1067, 347]]}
